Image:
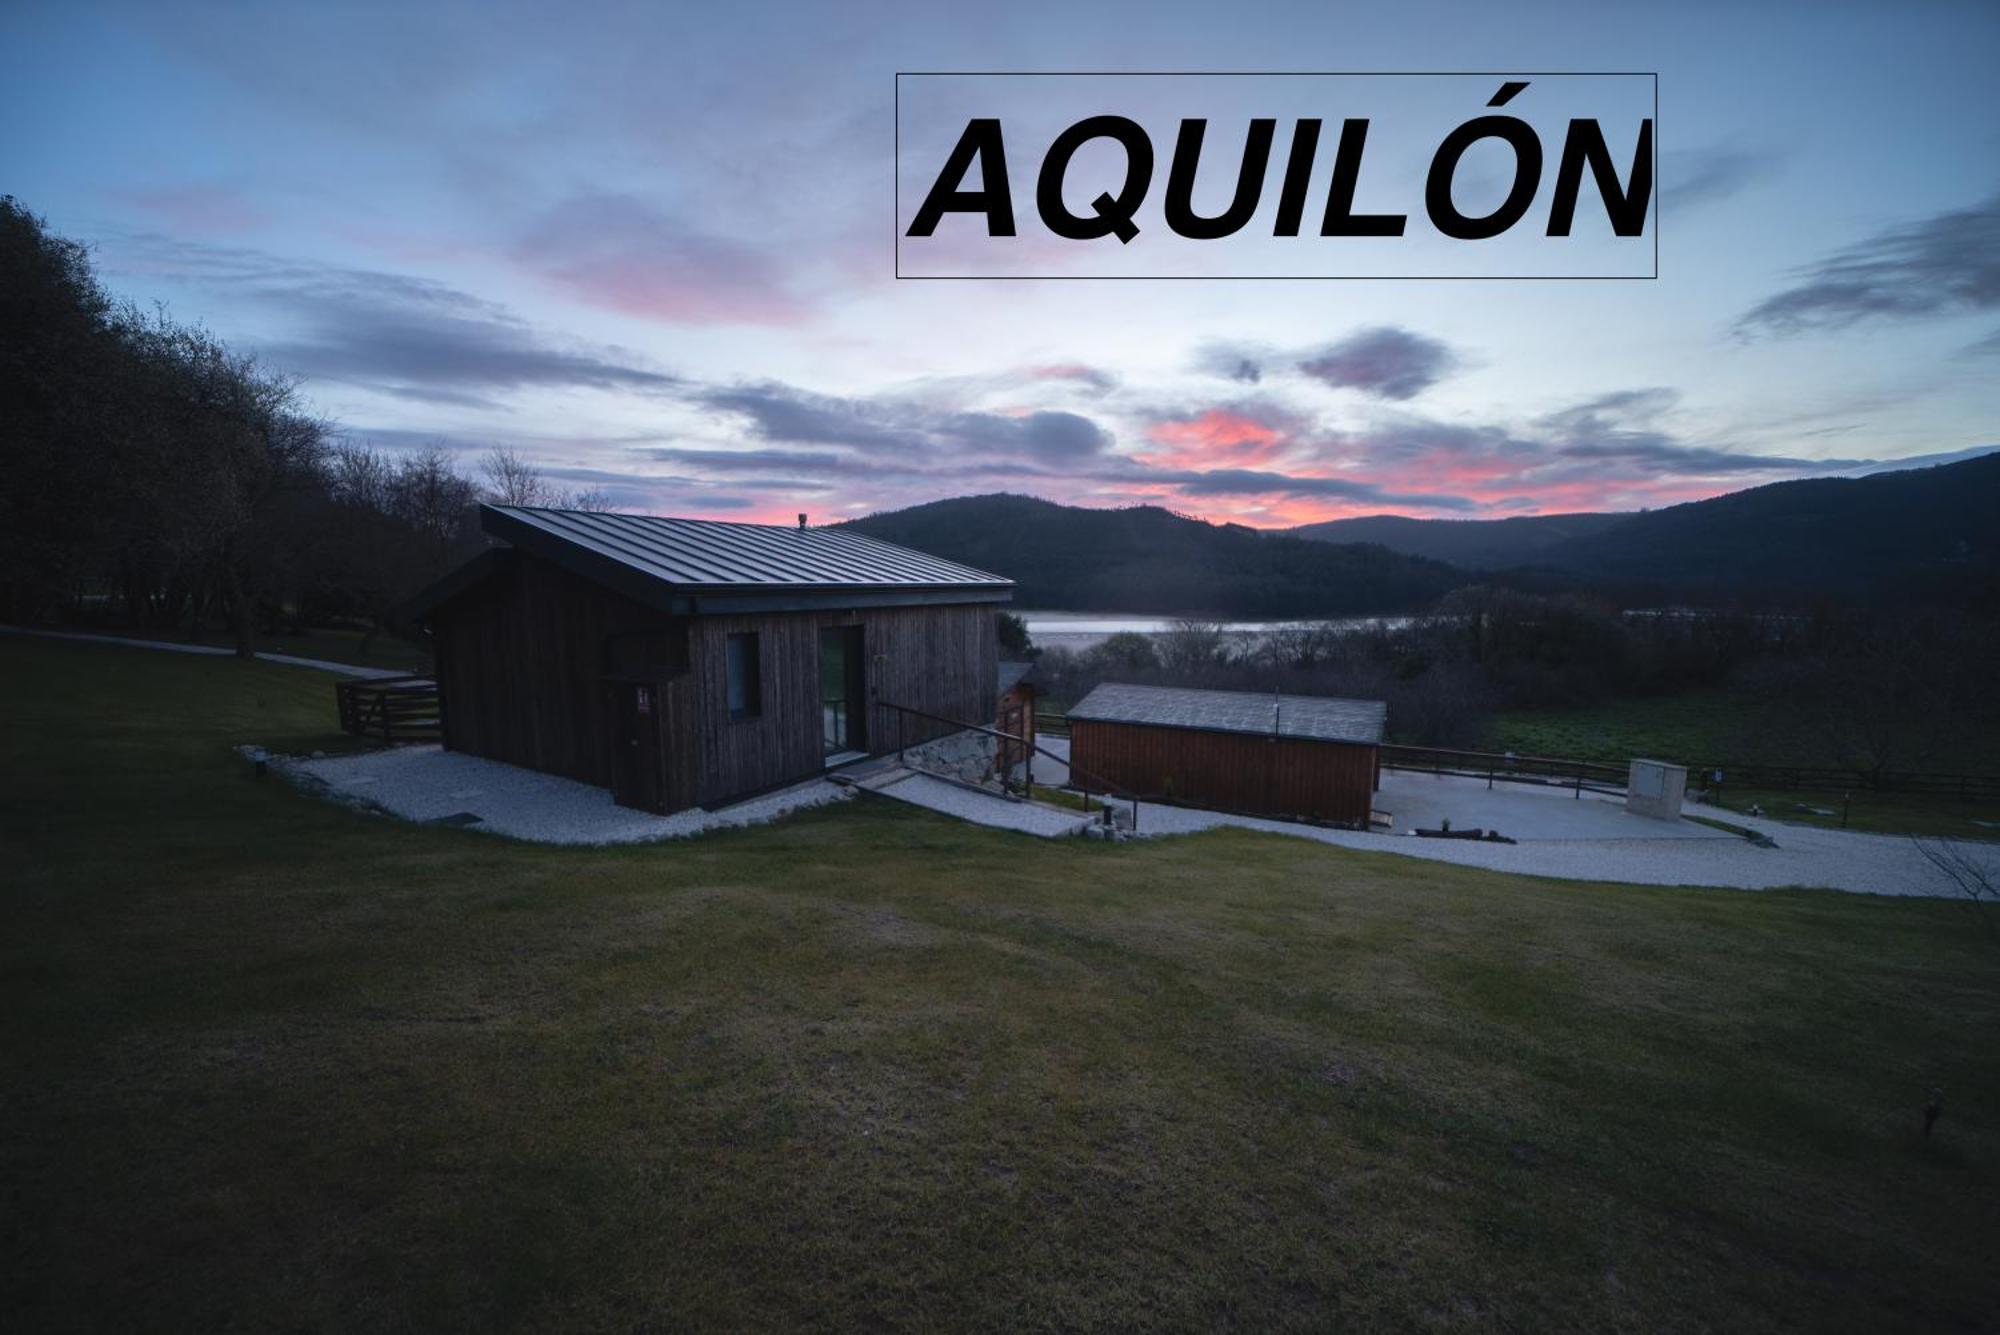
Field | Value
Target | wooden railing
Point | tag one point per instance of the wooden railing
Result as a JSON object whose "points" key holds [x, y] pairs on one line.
{"points": [[1104, 787], [395, 709]]}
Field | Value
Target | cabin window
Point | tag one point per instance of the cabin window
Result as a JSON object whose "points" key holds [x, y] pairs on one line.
{"points": [[746, 686]]}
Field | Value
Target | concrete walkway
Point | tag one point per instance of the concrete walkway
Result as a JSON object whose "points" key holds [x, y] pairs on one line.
{"points": [[1873, 864], [179, 647], [430, 785], [1523, 811], [969, 804], [1596, 839]]}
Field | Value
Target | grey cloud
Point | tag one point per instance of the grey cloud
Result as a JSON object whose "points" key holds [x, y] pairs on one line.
{"points": [[1616, 410], [746, 460], [404, 336], [1257, 482], [1241, 362], [781, 413], [1621, 426], [1944, 265], [1708, 175], [1041, 435], [1094, 379], [1385, 361]]}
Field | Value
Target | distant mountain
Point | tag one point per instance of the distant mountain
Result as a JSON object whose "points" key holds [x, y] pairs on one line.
{"points": [[1478, 544], [1904, 531], [1920, 461], [1921, 533], [1150, 560]]}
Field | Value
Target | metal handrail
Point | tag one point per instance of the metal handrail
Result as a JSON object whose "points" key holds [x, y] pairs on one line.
{"points": [[1109, 789]]}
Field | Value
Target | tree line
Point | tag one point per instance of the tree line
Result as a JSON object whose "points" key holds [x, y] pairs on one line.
{"points": [[158, 479], [1862, 687]]}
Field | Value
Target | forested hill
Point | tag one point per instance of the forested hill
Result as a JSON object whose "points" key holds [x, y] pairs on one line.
{"points": [[1924, 534], [1927, 534], [1478, 544], [1149, 560]]}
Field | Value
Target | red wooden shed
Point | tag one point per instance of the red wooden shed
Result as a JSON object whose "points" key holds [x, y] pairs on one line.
{"points": [[1311, 756]]}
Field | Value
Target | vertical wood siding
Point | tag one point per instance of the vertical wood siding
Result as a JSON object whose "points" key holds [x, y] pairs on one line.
{"points": [[523, 660], [942, 660], [1286, 776]]}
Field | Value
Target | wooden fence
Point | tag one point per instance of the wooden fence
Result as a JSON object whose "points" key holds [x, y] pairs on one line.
{"points": [[395, 709], [1797, 778]]}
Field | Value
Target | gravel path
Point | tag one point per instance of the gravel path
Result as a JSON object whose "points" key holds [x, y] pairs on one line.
{"points": [[428, 783], [983, 808], [1874, 864], [177, 647]]}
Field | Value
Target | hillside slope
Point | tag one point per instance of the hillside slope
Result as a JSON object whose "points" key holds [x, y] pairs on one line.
{"points": [[1478, 544], [1150, 560], [1927, 533], [1924, 533]]}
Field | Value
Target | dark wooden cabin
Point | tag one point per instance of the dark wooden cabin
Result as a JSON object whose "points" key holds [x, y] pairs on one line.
{"points": [[1310, 756], [686, 662]]}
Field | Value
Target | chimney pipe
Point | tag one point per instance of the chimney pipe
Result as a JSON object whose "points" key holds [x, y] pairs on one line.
{"points": [[802, 521]]}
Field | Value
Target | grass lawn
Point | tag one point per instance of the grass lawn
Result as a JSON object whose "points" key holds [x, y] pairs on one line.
{"points": [[272, 1064], [1696, 727], [332, 646], [1064, 797], [1703, 727]]}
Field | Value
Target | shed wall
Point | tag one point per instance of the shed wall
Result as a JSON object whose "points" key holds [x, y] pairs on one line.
{"points": [[1274, 776]]}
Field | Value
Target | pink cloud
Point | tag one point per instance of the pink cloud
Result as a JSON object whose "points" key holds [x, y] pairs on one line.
{"points": [[1220, 437], [203, 209], [621, 254]]}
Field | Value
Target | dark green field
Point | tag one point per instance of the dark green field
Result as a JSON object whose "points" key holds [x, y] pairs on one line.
{"points": [[329, 645], [1707, 727], [272, 1064]]}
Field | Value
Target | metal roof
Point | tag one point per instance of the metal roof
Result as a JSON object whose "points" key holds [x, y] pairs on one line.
{"points": [[1322, 718], [1013, 672], [703, 554]]}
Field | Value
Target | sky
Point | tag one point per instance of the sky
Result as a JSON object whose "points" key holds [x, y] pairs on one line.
{"points": [[650, 247]]}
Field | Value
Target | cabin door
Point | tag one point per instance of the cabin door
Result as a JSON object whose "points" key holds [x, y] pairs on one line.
{"points": [[636, 780], [842, 697]]}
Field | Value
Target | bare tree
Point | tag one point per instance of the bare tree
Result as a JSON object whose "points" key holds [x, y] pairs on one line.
{"points": [[512, 480], [1973, 872], [435, 500], [1190, 648], [1302, 645]]}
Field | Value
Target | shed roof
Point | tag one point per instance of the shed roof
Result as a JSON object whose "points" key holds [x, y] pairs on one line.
{"points": [[1318, 717], [1013, 672], [687, 566]]}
